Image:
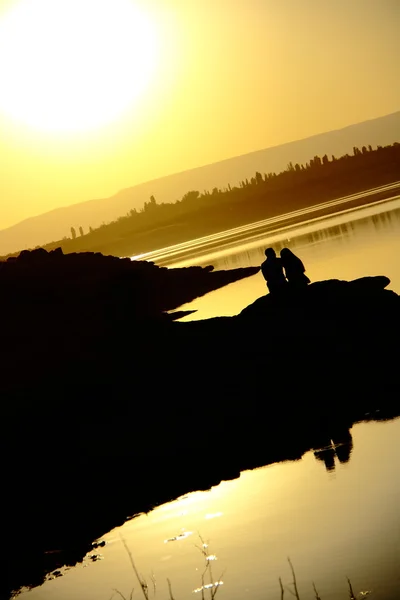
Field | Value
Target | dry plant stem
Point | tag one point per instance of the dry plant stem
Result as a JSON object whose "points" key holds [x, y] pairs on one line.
{"points": [[170, 590], [153, 581], [202, 549], [296, 591], [317, 596], [122, 596], [218, 586], [351, 593], [213, 588], [208, 568], [211, 579], [282, 588], [142, 583]]}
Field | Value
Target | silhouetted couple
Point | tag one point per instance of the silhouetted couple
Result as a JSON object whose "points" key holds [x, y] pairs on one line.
{"points": [[272, 270]]}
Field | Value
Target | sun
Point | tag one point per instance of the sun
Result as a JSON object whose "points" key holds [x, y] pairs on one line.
{"points": [[73, 65]]}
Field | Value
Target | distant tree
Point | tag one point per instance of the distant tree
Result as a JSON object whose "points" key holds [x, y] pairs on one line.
{"points": [[73, 233], [356, 151], [150, 205], [325, 159], [81, 231], [370, 148], [259, 178], [90, 229], [297, 167], [191, 196], [364, 150]]}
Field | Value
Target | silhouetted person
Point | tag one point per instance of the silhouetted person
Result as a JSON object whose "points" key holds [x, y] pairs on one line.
{"points": [[294, 269], [272, 270]]}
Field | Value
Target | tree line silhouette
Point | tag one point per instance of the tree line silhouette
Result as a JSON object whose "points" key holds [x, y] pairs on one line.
{"points": [[262, 196]]}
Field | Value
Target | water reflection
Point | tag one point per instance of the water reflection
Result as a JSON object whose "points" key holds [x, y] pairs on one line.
{"points": [[329, 526], [181, 536], [364, 229], [339, 446]]}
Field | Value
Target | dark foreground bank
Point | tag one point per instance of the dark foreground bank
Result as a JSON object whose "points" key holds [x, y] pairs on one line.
{"points": [[97, 382]]}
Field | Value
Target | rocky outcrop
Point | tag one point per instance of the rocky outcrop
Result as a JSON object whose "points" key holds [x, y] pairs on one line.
{"points": [[141, 287], [323, 297]]}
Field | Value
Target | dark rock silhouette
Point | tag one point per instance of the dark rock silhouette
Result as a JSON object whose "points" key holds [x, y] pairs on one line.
{"points": [[147, 290], [89, 359], [294, 269], [272, 270]]}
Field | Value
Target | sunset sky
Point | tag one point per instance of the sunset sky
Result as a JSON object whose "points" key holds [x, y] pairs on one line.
{"points": [[99, 95]]}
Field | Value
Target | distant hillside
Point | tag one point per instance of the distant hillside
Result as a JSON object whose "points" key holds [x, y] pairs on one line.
{"points": [[299, 186], [56, 224]]}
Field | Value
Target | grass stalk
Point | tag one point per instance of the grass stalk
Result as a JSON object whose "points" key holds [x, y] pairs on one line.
{"points": [[351, 593], [142, 582], [296, 591], [170, 590], [282, 588], [317, 596]]}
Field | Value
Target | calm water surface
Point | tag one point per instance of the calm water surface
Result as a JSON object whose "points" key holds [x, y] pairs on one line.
{"points": [[331, 523]]}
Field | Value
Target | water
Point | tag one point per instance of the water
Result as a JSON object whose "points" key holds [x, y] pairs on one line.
{"points": [[333, 524]]}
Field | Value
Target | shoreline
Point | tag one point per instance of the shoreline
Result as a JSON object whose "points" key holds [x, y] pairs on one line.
{"points": [[273, 230], [173, 234], [186, 228]]}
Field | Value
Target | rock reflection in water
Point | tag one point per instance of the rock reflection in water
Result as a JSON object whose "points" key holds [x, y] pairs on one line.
{"points": [[181, 536]]}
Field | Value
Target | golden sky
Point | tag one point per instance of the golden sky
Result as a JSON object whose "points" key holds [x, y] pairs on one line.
{"points": [[196, 82]]}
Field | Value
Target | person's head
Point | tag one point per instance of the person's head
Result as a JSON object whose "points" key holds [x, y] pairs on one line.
{"points": [[270, 253], [286, 253]]}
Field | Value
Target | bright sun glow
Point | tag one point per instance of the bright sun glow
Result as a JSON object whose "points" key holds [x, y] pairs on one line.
{"points": [[72, 65]]}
